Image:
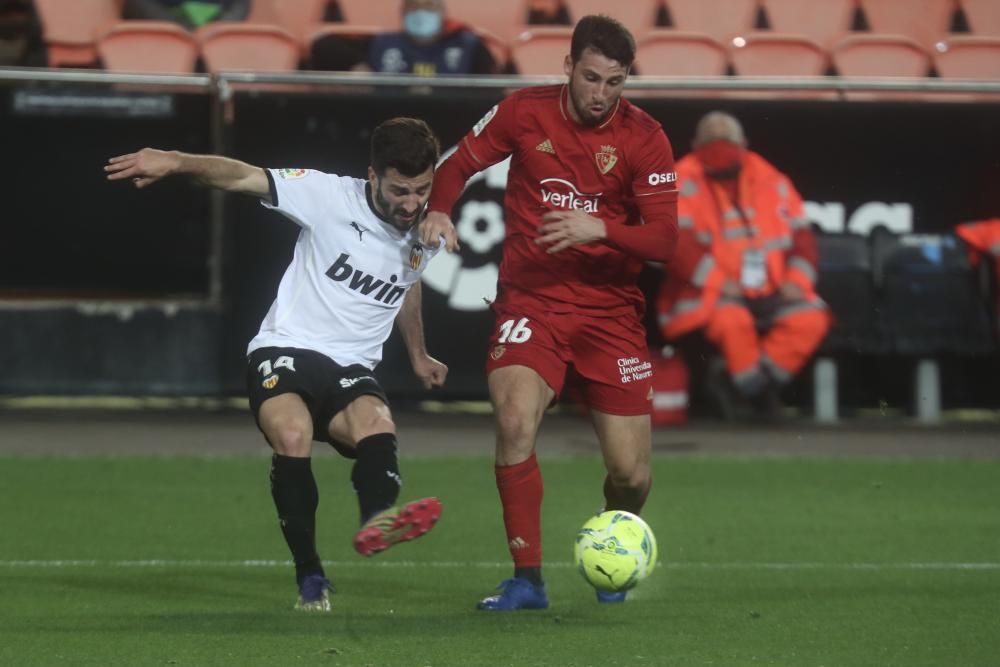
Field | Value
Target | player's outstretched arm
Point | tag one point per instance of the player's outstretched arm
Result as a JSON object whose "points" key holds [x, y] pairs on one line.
{"points": [[149, 165], [431, 372]]}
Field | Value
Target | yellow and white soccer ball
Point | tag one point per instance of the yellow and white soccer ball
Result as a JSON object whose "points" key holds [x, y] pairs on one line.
{"points": [[615, 550]]}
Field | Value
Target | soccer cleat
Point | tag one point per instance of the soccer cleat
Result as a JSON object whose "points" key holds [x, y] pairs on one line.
{"points": [[397, 524], [611, 596], [516, 594], [314, 592]]}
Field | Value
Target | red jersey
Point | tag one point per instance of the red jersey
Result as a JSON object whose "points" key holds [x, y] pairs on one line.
{"points": [[621, 171]]}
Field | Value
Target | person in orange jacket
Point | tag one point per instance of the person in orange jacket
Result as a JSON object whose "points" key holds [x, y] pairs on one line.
{"points": [[745, 267]]}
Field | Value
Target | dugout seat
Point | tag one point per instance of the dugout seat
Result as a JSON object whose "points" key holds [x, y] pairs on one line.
{"points": [[639, 16], [968, 57], [678, 53], [770, 54], [70, 29], [339, 46], [154, 47], [541, 50], [720, 19], [846, 281], [925, 21], [932, 299], [822, 22], [505, 20], [384, 13], [880, 55], [298, 17], [247, 46], [983, 17]]}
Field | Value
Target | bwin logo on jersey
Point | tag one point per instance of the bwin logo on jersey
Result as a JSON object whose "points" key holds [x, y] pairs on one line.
{"points": [[359, 281]]}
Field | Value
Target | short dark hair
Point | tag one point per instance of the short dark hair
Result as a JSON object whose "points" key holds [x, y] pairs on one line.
{"points": [[405, 144], [606, 35]]}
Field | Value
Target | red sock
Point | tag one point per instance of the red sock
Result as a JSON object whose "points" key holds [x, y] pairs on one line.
{"points": [[630, 501], [521, 491]]}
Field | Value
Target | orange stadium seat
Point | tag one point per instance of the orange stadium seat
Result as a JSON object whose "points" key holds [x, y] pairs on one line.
{"points": [[229, 46], [969, 57], [823, 22], [506, 20], [298, 17], [880, 55], [720, 19], [983, 17], [639, 16], [771, 54], [384, 13], [541, 50], [148, 46], [677, 53], [926, 21], [70, 29]]}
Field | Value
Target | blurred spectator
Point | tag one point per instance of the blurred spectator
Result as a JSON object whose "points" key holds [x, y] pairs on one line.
{"points": [[189, 13], [547, 12], [430, 44], [20, 34], [745, 269]]}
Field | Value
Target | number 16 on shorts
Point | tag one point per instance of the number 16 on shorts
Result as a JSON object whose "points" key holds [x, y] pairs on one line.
{"points": [[514, 331]]}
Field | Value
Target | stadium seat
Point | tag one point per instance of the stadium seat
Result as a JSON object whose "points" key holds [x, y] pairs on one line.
{"points": [[506, 20], [967, 57], [931, 298], [70, 29], [925, 21], [230, 46], [678, 53], [148, 46], [384, 13], [296, 16], [983, 17], [720, 19], [823, 22], [770, 54], [880, 55], [847, 283], [541, 50], [639, 16]]}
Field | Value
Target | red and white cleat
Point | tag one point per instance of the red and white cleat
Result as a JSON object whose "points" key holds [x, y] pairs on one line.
{"points": [[397, 524]]}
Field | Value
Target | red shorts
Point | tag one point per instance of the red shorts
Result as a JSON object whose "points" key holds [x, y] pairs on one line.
{"points": [[608, 355]]}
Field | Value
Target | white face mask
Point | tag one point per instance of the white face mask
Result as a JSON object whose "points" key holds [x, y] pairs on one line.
{"points": [[422, 23]]}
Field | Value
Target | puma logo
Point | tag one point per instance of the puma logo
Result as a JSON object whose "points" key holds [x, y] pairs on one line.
{"points": [[360, 230]]}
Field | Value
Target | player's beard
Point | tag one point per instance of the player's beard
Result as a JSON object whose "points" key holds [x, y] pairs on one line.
{"points": [[394, 215], [583, 111]]}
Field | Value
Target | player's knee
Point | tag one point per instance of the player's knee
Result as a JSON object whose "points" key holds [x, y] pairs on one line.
{"points": [[629, 478], [291, 440], [514, 429], [375, 425]]}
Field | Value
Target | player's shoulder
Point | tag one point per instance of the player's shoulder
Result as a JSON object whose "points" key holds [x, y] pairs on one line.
{"points": [[638, 120]]}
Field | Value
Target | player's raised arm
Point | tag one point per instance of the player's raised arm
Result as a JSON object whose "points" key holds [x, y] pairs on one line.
{"points": [[149, 165]]}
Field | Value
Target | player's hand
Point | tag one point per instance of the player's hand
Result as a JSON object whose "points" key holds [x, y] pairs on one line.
{"points": [[436, 225], [791, 292], [562, 229], [144, 168], [432, 373]]}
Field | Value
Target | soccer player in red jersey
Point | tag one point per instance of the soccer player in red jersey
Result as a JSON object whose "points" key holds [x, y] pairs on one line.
{"points": [[591, 194]]}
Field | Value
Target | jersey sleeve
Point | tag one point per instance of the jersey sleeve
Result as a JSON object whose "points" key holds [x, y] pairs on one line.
{"points": [[802, 258], [301, 195], [490, 141]]}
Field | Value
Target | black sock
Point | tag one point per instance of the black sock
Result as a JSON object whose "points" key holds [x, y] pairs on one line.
{"points": [[296, 498], [532, 574], [376, 474]]}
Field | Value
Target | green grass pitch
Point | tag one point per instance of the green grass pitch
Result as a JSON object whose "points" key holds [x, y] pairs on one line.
{"points": [[179, 561]]}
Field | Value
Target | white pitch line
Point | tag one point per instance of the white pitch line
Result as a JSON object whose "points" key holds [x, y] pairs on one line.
{"points": [[166, 563]]}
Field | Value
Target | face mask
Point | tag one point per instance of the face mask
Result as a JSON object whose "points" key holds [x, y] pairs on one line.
{"points": [[720, 158], [422, 23]]}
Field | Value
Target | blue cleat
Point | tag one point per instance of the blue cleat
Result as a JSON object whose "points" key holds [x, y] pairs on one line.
{"points": [[314, 592], [516, 594], [611, 597]]}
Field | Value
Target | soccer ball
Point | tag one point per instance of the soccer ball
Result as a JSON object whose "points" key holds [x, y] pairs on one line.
{"points": [[615, 550]]}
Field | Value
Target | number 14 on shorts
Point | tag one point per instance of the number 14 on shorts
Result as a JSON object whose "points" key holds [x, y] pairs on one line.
{"points": [[514, 331], [266, 368]]}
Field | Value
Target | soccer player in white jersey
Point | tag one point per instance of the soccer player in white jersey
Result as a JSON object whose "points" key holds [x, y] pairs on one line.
{"points": [[355, 269]]}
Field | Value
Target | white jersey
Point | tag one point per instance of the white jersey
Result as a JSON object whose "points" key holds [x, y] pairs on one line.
{"points": [[349, 273]]}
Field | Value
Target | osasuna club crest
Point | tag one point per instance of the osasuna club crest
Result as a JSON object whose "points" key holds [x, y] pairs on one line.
{"points": [[416, 256], [606, 159]]}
